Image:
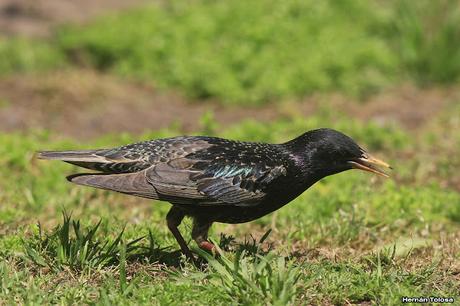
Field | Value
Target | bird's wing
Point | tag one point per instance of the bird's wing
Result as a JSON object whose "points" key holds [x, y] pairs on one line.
{"points": [[185, 181]]}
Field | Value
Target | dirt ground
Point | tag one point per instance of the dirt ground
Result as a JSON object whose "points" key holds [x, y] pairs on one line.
{"points": [[86, 104]]}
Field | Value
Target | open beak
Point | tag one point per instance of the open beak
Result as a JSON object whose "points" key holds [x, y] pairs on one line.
{"points": [[370, 164]]}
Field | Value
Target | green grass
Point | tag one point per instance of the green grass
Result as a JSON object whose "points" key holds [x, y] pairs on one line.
{"points": [[19, 55], [351, 238], [425, 35], [70, 246]]}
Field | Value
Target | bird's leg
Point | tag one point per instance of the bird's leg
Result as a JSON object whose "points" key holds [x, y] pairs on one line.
{"points": [[174, 218], [200, 235]]}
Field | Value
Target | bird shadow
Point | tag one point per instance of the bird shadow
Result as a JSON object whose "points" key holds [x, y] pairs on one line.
{"points": [[153, 253], [165, 258]]}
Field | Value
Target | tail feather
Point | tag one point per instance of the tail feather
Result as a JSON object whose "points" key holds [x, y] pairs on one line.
{"points": [[95, 160], [69, 156]]}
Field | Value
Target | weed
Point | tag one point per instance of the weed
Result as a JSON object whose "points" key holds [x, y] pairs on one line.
{"points": [[267, 279], [68, 245]]}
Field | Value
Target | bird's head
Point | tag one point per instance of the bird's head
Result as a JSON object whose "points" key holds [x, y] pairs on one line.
{"points": [[327, 151]]}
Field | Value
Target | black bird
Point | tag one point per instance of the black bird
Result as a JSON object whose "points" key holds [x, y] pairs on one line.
{"points": [[218, 180]]}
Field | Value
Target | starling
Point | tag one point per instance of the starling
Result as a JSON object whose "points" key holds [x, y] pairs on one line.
{"points": [[217, 180]]}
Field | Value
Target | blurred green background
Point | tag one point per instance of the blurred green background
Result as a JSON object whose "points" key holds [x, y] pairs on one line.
{"points": [[106, 73]]}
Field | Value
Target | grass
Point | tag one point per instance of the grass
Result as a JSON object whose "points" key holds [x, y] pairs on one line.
{"points": [[69, 246], [19, 55], [426, 36], [349, 239], [267, 278]]}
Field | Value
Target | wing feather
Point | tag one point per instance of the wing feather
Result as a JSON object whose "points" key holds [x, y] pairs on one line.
{"points": [[131, 183], [215, 184]]}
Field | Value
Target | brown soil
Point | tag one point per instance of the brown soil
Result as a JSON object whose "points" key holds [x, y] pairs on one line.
{"points": [[407, 105], [84, 104]]}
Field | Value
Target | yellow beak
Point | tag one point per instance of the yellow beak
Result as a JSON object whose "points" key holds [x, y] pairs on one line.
{"points": [[370, 164]]}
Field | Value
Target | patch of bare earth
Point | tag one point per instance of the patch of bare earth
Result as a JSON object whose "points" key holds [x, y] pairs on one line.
{"points": [[85, 104], [408, 106]]}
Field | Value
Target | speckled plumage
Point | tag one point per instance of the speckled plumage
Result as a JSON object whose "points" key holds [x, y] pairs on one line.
{"points": [[213, 179]]}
